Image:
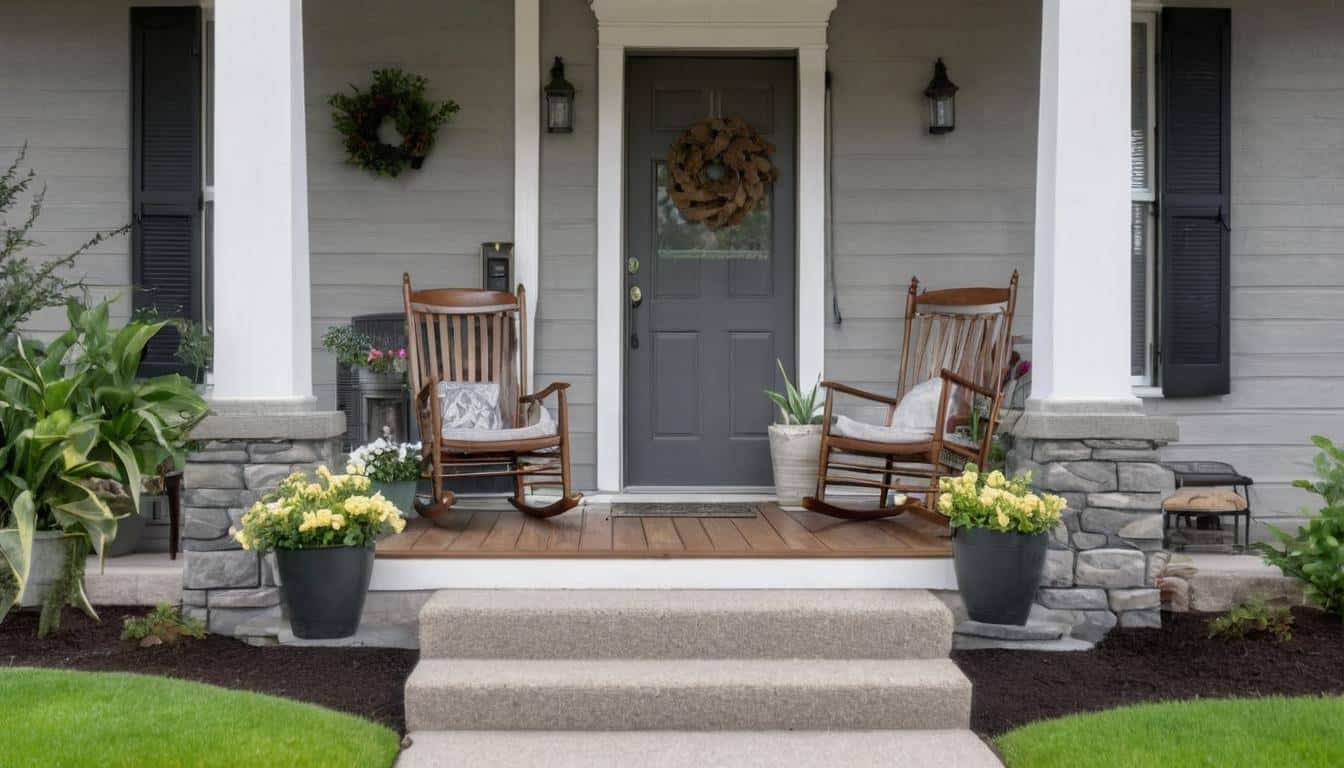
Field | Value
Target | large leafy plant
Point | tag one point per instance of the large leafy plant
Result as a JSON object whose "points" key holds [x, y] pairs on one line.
{"points": [[795, 407], [1315, 553], [78, 431]]}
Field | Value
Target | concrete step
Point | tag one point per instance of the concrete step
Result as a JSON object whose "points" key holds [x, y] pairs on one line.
{"points": [[677, 749], [702, 624], [687, 694]]}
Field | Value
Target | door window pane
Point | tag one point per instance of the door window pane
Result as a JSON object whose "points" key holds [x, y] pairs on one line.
{"points": [[676, 238]]}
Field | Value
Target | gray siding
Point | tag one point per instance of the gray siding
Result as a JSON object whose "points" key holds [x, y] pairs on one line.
{"points": [[65, 91], [946, 209], [566, 313], [1287, 254], [365, 231]]}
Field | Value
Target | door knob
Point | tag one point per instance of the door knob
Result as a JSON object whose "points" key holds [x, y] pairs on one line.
{"points": [[636, 296]]}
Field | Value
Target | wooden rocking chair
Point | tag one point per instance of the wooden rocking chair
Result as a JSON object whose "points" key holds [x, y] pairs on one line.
{"points": [[463, 335], [961, 335]]}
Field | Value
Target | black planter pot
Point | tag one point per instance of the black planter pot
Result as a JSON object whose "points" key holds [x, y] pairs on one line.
{"points": [[998, 572], [324, 589]]}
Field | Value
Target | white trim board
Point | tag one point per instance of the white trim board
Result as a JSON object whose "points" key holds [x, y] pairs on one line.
{"points": [[391, 575], [702, 25], [527, 164]]}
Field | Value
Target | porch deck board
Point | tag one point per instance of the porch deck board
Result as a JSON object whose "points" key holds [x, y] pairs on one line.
{"points": [[591, 532]]}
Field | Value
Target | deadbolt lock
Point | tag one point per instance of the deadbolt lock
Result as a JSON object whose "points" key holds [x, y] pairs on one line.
{"points": [[632, 265]]}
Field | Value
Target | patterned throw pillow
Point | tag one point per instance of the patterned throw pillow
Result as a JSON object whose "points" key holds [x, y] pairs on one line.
{"points": [[469, 405]]}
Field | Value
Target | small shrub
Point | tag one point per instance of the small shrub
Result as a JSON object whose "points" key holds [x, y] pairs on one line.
{"points": [[1315, 554], [162, 626], [1253, 618]]}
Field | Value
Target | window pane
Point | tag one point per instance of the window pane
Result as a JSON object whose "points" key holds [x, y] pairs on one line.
{"points": [[748, 240], [1138, 289], [1138, 112]]}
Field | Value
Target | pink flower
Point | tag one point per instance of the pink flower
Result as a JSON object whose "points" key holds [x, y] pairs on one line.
{"points": [[401, 353], [1023, 368], [375, 354]]}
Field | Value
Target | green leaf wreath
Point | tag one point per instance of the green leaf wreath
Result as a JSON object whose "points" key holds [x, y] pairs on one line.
{"points": [[400, 96]]}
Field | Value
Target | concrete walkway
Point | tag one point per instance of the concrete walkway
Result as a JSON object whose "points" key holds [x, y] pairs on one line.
{"points": [[140, 579]]}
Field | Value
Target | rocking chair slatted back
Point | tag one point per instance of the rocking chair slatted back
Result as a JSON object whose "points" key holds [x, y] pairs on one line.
{"points": [[951, 329], [468, 336]]}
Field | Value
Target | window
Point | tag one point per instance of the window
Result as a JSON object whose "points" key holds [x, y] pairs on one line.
{"points": [[1143, 197]]}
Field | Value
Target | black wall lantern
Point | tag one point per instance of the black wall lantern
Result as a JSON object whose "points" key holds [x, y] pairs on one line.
{"points": [[942, 94], [559, 101]]}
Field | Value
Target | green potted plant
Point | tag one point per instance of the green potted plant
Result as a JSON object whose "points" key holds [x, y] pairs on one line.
{"points": [[1000, 532], [377, 367], [78, 432], [796, 442], [1314, 554], [393, 470], [323, 535]]}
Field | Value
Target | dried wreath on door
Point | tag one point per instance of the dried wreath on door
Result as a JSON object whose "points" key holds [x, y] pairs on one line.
{"points": [[394, 95], [719, 170]]}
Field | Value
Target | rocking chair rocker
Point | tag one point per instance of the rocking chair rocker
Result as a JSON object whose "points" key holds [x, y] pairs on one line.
{"points": [[960, 335], [473, 336]]}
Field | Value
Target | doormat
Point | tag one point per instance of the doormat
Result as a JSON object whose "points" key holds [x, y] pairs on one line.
{"points": [[683, 510]]}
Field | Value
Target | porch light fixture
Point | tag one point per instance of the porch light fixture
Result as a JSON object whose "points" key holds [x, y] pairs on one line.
{"points": [[559, 100], [942, 94]]}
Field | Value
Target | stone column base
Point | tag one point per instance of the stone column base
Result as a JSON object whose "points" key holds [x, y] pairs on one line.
{"points": [[242, 457], [1103, 561]]}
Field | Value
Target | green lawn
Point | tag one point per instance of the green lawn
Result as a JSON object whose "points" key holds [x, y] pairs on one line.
{"points": [[1226, 733], [58, 719]]}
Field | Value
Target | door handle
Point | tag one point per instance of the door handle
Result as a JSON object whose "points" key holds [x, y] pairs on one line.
{"points": [[636, 298]]}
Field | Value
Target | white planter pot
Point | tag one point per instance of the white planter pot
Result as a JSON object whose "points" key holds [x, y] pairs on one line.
{"points": [[48, 560], [794, 450]]}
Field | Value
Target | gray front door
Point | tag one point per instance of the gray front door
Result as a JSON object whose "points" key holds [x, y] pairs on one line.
{"points": [[718, 307]]}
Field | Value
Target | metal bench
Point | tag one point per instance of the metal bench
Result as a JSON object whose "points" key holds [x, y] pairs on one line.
{"points": [[1210, 474]]}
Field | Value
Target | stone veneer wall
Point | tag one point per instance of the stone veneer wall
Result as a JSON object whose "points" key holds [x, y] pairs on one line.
{"points": [[1104, 560], [223, 584]]}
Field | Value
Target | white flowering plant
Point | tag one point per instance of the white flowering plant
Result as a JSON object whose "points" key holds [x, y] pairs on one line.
{"points": [[993, 501], [334, 511], [385, 462]]}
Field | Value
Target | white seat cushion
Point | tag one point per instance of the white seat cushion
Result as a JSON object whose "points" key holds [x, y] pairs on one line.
{"points": [[876, 433], [544, 426], [912, 422]]}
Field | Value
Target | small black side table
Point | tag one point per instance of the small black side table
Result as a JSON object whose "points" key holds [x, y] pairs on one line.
{"points": [[1213, 474]]}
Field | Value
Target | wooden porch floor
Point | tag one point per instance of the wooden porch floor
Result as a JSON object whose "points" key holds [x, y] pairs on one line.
{"points": [[591, 532]]}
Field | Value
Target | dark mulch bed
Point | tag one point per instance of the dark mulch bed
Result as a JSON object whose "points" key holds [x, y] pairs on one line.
{"points": [[1130, 666], [361, 681]]}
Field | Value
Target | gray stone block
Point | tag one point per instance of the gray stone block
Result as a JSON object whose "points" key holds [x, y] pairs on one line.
{"points": [[1059, 537], [219, 570], [204, 522], [1073, 599], [1111, 568], [1094, 625], [235, 456], [1146, 528], [1131, 445], [1124, 454], [1032, 630], [1148, 618], [212, 475], [221, 544], [1069, 517], [261, 597], [1132, 500], [1122, 600], [270, 572], [224, 621], [297, 452], [1083, 540], [263, 477], [1060, 450], [1109, 521], [1058, 571], [194, 598], [1140, 476], [1157, 563], [1087, 476], [196, 612], [216, 497]]}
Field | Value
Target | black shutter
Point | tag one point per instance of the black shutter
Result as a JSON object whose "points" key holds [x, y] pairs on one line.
{"points": [[166, 172], [1195, 201]]}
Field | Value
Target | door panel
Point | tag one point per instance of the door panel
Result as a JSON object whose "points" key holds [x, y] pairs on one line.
{"points": [[718, 307]]}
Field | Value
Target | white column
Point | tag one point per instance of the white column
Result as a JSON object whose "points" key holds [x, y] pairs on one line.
{"points": [[610, 251], [527, 163], [811, 213], [1080, 311], [263, 318]]}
